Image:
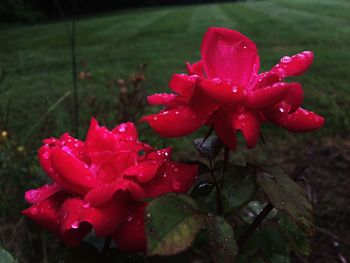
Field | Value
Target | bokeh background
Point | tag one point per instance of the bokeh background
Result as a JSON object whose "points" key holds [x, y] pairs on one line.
{"points": [[62, 62]]}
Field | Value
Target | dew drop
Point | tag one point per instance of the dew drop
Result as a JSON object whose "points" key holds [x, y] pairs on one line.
{"points": [[155, 118], [234, 89], [176, 185], [75, 225], [122, 128], [129, 218], [283, 202], [216, 81], [86, 205], [34, 210], [46, 155], [148, 215], [281, 109], [286, 59], [66, 149], [176, 170]]}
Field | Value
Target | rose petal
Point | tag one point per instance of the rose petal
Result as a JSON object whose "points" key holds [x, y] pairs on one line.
{"points": [[131, 235], [295, 96], [183, 84], [302, 120], [265, 79], [78, 217], [73, 171], [249, 124], [222, 91], [104, 193], [227, 54], [161, 99], [160, 155], [267, 96], [46, 213], [40, 194], [294, 65], [176, 122], [224, 129], [195, 68], [171, 177], [126, 131], [144, 171]]}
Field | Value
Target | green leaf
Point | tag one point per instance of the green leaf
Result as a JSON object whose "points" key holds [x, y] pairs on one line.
{"points": [[238, 187], [297, 240], [252, 245], [272, 242], [288, 196], [6, 257], [172, 222], [209, 147], [221, 239]]}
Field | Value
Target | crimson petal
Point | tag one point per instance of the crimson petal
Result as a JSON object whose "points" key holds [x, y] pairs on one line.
{"points": [[161, 99], [303, 120], [171, 177], [104, 193], [73, 171], [294, 65], [176, 122], [267, 96], [144, 171], [183, 84], [40, 194], [224, 129], [222, 91], [249, 124], [227, 54], [78, 217], [195, 68], [131, 235]]}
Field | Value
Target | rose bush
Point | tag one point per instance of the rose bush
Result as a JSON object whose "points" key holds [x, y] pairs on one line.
{"points": [[225, 90], [100, 184]]}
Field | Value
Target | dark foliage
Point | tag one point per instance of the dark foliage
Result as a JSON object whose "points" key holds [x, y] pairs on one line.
{"points": [[34, 10]]}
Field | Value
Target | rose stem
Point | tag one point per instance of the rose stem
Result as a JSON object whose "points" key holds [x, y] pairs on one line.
{"points": [[298, 170]]}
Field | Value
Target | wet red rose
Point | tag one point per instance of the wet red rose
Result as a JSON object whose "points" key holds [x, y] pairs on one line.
{"points": [[225, 90], [99, 184]]}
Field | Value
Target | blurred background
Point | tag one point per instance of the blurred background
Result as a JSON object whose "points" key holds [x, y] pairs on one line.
{"points": [[63, 61]]}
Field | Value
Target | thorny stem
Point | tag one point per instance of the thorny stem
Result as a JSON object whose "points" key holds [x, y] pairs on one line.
{"points": [[219, 206], [297, 172]]}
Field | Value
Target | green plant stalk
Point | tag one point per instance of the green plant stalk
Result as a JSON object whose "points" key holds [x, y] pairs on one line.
{"points": [[297, 172]]}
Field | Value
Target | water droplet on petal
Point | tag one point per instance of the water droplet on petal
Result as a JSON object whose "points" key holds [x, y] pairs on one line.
{"points": [[66, 149], [148, 215], [234, 89], [86, 205], [216, 81], [281, 109], [176, 170], [122, 128], [286, 59], [46, 155], [75, 225], [34, 210], [176, 185], [129, 218]]}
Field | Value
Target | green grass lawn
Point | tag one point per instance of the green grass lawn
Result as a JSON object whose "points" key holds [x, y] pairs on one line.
{"points": [[37, 59]]}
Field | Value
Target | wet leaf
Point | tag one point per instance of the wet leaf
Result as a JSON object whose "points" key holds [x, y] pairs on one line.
{"points": [[222, 240], [272, 242], [6, 257], [172, 222], [209, 147], [252, 245], [238, 187], [288, 196], [297, 240]]}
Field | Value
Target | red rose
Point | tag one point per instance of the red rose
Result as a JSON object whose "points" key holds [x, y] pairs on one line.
{"points": [[225, 90], [98, 184]]}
